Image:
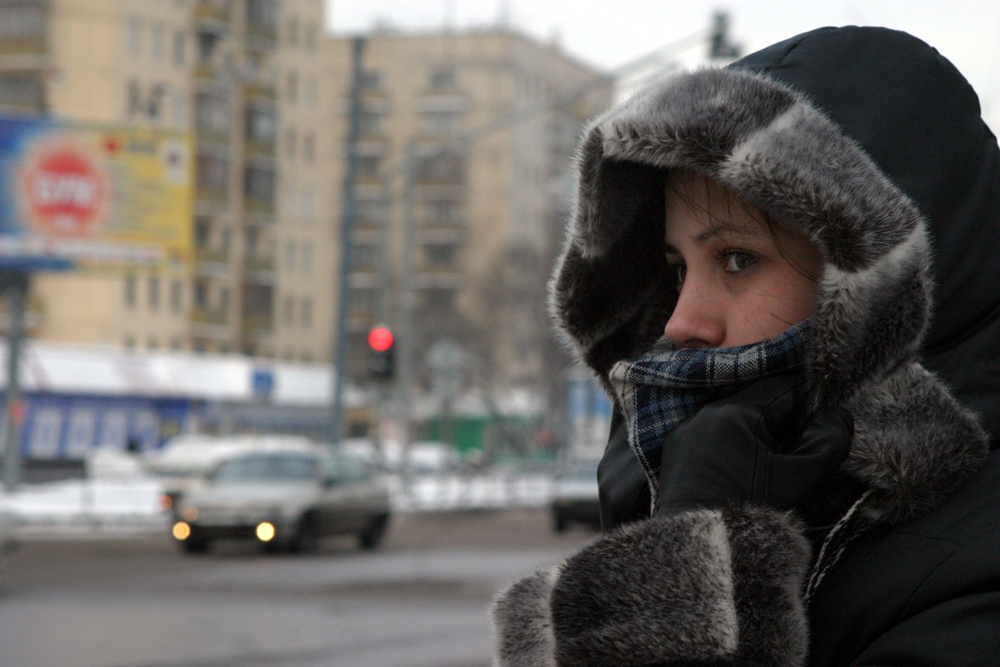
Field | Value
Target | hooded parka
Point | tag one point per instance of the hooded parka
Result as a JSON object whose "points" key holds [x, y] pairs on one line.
{"points": [[871, 144]]}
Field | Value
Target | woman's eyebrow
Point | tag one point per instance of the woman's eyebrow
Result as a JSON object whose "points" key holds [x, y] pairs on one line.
{"points": [[720, 227]]}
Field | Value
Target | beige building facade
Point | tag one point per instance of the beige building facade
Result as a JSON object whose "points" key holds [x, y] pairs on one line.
{"points": [[223, 72], [488, 206]]}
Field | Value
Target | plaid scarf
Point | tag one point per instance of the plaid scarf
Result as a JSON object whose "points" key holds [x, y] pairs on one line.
{"points": [[665, 386]]}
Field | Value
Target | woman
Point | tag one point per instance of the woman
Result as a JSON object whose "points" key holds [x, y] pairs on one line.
{"points": [[748, 271]]}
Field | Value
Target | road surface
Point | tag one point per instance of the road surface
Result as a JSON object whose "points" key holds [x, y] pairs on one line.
{"points": [[418, 602]]}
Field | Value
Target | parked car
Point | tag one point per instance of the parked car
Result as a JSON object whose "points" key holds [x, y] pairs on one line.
{"points": [[575, 497], [284, 500]]}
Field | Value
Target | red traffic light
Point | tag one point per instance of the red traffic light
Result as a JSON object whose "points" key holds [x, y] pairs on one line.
{"points": [[380, 339]]}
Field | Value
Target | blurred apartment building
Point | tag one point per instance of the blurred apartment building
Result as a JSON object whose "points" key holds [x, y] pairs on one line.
{"points": [[231, 73], [265, 97], [488, 207]]}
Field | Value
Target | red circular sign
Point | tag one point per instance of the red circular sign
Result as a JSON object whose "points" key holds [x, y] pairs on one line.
{"points": [[65, 191], [380, 339]]}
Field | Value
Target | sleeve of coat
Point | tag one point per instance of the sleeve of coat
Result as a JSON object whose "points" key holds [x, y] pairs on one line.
{"points": [[703, 586]]}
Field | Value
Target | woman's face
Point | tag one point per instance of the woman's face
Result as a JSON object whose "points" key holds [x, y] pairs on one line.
{"points": [[741, 280]]}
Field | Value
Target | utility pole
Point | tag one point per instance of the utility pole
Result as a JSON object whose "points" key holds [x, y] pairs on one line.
{"points": [[407, 302], [346, 227], [14, 285]]}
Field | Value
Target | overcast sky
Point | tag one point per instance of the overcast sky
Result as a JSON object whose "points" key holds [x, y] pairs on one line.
{"points": [[609, 33]]}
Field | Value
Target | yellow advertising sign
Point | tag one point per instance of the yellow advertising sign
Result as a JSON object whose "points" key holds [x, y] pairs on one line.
{"points": [[94, 196]]}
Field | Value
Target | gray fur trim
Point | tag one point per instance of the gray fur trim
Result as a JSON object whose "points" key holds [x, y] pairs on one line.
{"points": [[522, 623], [913, 444], [610, 294]]}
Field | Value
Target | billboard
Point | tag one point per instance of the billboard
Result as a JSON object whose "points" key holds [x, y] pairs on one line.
{"points": [[91, 197]]}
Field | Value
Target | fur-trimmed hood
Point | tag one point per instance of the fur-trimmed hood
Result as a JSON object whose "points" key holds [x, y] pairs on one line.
{"points": [[743, 127]]}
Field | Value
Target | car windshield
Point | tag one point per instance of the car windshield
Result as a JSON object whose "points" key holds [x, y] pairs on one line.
{"points": [[267, 467]]}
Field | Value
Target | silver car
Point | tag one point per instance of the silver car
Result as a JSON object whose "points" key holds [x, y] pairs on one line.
{"points": [[284, 500]]}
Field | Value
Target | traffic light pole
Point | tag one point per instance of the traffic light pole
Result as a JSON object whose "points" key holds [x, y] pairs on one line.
{"points": [[347, 225], [14, 285]]}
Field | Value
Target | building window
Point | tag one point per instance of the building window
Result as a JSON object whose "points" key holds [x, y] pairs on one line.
{"points": [[153, 295], [372, 212], [289, 310], [22, 90], [368, 166], [442, 122], [440, 169], [133, 36], [152, 343], [158, 42], [175, 344], [306, 312], [176, 295], [259, 184], [224, 299], [290, 256], [371, 123], [439, 254], [310, 91], [307, 259], [292, 86], [443, 212], [133, 98], [200, 294], [154, 107], [310, 39], [128, 342], [180, 49], [291, 141], [22, 22], [293, 31], [212, 114], [130, 291], [443, 78], [261, 126], [307, 356], [308, 205], [370, 80], [213, 172], [309, 147]]}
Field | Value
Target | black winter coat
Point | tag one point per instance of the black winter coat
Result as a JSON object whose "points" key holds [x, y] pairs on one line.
{"points": [[871, 143]]}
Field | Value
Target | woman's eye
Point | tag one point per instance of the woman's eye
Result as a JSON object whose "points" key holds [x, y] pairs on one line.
{"points": [[680, 272], [736, 261]]}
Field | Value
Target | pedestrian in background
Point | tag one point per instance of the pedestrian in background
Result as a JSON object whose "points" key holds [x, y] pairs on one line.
{"points": [[800, 470]]}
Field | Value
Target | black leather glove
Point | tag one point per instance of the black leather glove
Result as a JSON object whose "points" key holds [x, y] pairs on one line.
{"points": [[753, 446]]}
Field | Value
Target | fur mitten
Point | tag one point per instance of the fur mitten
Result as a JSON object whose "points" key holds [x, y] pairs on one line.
{"points": [[697, 586]]}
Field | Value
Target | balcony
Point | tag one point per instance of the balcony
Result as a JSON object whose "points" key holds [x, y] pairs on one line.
{"points": [[260, 90], [213, 17], [259, 269], [256, 148], [205, 315], [256, 325]]}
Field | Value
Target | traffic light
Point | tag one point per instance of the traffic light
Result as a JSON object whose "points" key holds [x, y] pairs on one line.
{"points": [[383, 353]]}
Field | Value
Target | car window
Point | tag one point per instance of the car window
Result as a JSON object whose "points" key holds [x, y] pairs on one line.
{"points": [[341, 468], [267, 467]]}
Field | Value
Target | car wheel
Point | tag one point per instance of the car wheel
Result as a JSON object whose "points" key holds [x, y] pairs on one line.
{"points": [[306, 538], [371, 537]]}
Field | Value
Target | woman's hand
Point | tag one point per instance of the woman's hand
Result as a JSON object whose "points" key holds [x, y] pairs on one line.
{"points": [[753, 447]]}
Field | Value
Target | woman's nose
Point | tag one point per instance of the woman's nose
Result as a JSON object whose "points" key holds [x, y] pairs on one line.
{"points": [[696, 321]]}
